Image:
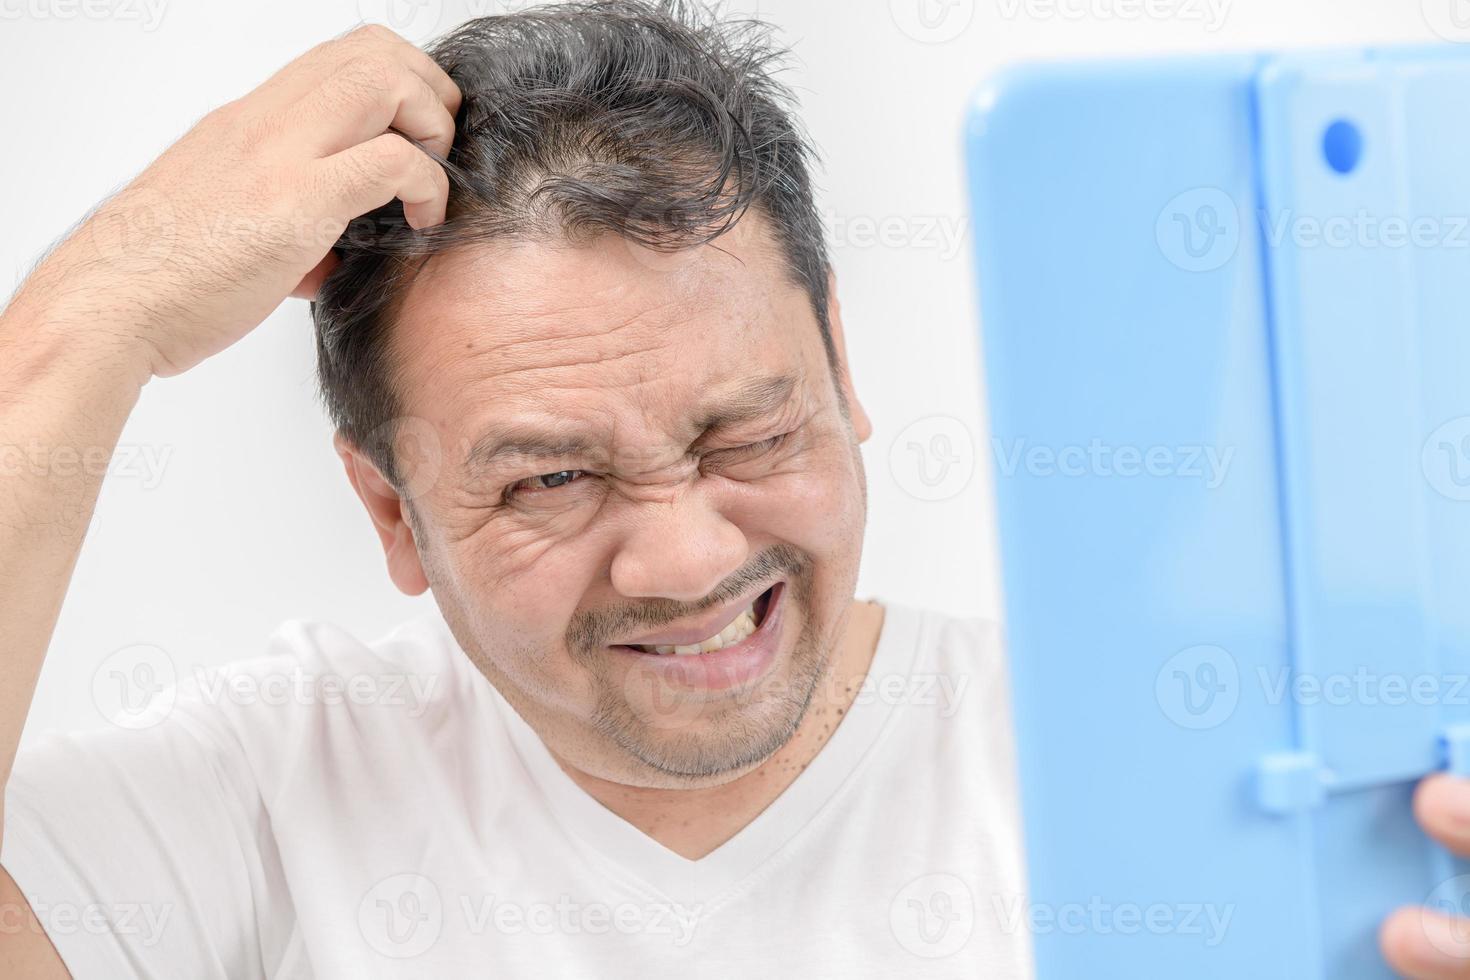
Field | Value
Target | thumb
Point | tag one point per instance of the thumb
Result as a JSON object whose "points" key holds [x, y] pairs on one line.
{"points": [[307, 288]]}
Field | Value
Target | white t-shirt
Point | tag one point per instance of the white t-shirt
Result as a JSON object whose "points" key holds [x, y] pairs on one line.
{"points": [[341, 809]]}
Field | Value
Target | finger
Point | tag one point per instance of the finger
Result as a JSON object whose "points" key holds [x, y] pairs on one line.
{"points": [[1421, 944], [311, 70], [363, 99], [428, 69], [312, 282], [369, 175], [373, 37], [1442, 807]]}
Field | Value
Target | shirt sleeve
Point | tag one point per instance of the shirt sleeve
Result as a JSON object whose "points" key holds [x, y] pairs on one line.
{"points": [[146, 851]]}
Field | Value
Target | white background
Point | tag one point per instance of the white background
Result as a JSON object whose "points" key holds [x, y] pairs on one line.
{"points": [[230, 512]]}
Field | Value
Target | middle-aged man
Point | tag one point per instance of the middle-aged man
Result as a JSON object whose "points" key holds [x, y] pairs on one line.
{"points": [[588, 378], [578, 336]]}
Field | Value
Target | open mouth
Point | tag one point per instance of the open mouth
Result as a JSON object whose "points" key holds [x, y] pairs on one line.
{"points": [[739, 630]]}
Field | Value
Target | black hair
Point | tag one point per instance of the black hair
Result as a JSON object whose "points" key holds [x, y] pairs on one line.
{"points": [[660, 122]]}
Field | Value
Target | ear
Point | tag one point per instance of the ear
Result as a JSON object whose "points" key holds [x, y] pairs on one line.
{"points": [[387, 511], [860, 422]]}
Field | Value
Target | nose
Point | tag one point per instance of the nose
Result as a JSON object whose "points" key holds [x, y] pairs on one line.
{"points": [[680, 548]]}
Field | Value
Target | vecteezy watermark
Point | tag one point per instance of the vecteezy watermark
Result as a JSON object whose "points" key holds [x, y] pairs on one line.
{"points": [[933, 459], [1363, 686], [135, 687], [933, 916], [1198, 687], [1210, 14], [142, 463], [1200, 229], [1201, 686], [943, 692], [142, 923], [414, 19], [932, 21], [147, 13], [1450, 899], [403, 916], [1365, 229], [661, 704], [942, 234], [1450, 19], [1207, 464], [491, 8], [564, 916], [1099, 917], [296, 686], [416, 449], [137, 229], [1445, 459]]}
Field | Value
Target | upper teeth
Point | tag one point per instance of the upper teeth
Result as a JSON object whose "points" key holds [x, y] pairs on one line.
{"points": [[741, 627]]}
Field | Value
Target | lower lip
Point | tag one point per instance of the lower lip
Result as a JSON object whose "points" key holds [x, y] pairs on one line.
{"points": [[720, 670]]}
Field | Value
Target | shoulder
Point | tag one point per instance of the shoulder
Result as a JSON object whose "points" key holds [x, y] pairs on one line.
{"points": [[945, 640], [954, 666], [320, 686], [420, 643]]}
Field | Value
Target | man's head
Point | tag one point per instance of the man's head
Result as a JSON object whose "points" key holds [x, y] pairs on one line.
{"points": [[607, 402]]}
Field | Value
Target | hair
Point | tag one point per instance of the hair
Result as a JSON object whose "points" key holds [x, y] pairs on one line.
{"points": [[659, 122]]}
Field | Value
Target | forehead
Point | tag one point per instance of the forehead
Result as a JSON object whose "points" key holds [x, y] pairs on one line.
{"points": [[602, 337]]}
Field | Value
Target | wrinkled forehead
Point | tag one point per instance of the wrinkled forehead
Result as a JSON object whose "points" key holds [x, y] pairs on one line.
{"points": [[604, 337]]}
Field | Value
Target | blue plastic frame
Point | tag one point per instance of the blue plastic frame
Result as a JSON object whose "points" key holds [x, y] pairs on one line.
{"points": [[1226, 312]]}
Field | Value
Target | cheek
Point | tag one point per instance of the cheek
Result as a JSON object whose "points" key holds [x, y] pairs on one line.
{"points": [[521, 589], [816, 502]]}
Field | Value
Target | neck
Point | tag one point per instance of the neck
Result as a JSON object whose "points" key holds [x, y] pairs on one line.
{"points": [[693, 822]]}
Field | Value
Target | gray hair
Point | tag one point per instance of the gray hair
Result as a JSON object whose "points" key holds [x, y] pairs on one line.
{"points": [[661, 123]]}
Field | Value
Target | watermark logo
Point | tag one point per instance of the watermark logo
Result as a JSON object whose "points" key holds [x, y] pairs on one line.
{"points": [[1098, 917], [1199, 687], [142, 923], [135, 687], [1363, 229], [411, 18], [1210, 14], [1451, 899], [1199, 230], [944, 235], [409, 692], [1450, 19], [146, 13], [932, 21], [1445, 459], [136, 229], [401, 916], [416, 449], [404, 915], [933, 459], [660, 703], [144, 464], [490, 8], [1207, 464], [568, 916], [933, 916]]}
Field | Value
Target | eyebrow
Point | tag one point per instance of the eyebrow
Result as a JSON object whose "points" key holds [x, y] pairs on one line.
{"points": [[756, 398], [751, 401]]}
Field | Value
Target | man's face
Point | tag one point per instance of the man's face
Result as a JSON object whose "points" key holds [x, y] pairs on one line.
{"points": [[609, 445]]}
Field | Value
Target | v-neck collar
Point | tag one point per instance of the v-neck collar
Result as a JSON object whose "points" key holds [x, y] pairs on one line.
{"points": [[628, 852]]}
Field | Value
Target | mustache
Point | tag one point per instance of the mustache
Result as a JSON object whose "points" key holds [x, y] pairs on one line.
{"points": [[594, 630]]}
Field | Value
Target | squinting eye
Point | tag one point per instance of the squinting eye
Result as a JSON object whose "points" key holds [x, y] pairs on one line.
{"points": [[751, 449], [762, 446], [547, 481]]}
